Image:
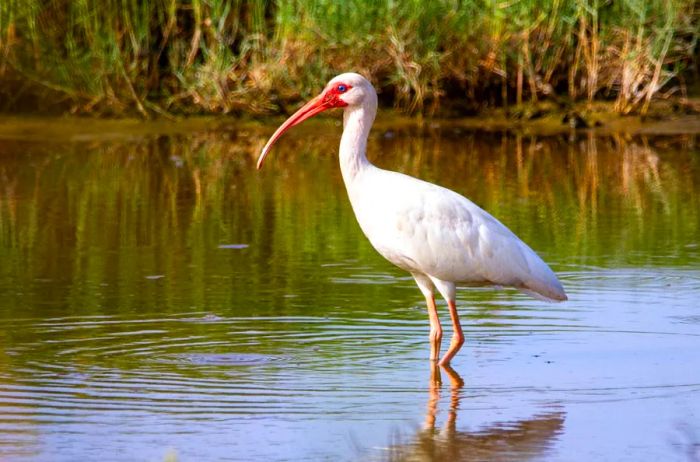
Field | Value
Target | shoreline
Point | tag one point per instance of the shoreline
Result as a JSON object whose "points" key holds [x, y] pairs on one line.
{"points": [[598, 120]]}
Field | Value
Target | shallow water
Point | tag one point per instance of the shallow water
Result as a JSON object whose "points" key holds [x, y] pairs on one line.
{"points": [[160, 298]]}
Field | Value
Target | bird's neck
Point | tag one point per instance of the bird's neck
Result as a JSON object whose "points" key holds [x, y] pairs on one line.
{"points": [[357, 123]]}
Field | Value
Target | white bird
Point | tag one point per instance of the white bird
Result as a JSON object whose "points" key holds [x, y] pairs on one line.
{"points": [[437, 235]]}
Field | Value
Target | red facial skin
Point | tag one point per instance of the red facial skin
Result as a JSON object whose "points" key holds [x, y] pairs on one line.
{"points": [[329, 99]]}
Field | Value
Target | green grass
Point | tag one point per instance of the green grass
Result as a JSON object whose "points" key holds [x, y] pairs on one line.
{"points": [[114, 57]]}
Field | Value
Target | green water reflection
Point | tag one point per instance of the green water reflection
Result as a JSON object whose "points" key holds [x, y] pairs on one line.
{"points": [[84, 225], [160, 279]]}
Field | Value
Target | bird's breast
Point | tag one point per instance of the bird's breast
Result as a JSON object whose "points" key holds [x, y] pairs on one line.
{"points": [[405, 229]]}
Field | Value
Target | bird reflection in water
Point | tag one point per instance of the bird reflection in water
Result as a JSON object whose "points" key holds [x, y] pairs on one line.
{"points": [[513, 440]]}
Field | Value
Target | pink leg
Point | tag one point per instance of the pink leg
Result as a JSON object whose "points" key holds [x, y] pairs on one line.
{"points": [[457, 336], [435, 329]]}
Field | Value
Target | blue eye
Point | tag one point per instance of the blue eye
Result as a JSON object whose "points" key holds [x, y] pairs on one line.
{"points": [[342, 88]]}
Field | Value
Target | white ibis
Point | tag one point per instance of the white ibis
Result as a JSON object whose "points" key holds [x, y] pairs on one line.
{"points": [[437, 235]]}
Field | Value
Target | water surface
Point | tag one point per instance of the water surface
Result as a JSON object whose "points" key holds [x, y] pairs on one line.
{"points": [[161, 298]]}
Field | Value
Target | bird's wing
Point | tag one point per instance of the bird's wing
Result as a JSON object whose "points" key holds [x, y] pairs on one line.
{"points": [[449, 237]]}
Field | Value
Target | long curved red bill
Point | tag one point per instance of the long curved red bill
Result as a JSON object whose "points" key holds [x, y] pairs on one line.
{"points": [[310, 109]]}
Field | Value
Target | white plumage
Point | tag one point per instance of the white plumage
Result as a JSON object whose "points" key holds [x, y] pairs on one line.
{"points": [[427, 229], [439, 236]]}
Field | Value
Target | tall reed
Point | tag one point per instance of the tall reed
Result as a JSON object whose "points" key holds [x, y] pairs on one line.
{"points": [[210, 56]]}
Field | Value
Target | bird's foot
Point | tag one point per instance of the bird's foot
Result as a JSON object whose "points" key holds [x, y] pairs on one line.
{"points": [[455, 345]]}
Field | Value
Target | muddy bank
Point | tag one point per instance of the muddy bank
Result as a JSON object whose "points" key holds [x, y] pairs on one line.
{"points": [[666, 118]]}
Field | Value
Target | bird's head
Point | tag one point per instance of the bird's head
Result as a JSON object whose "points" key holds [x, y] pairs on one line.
{"points": [[347, 90], [352, 89]]}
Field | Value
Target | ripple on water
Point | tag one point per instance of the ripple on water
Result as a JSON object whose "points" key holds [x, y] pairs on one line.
{"points": [[222, 359], [209, 366]]}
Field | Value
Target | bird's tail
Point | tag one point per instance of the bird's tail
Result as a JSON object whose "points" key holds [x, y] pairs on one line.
{"points": [[549, 297], [542, 284]]}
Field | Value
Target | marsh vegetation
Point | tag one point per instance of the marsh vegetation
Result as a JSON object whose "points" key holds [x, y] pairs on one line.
{"points": [[164, 57]]}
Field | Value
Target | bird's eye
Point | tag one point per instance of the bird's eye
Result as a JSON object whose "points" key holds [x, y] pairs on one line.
{"points": [[342, 88]]}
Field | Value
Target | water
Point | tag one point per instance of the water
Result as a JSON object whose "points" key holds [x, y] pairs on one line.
{"points": [[160, 300]]}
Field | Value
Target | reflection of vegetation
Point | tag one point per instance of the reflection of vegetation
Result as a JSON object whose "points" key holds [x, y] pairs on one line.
{"points": [[82, 225], [519, 440], [222, 56]]}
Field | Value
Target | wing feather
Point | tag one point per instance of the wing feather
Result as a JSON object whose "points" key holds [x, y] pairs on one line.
{"points": [[426, 228]]}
